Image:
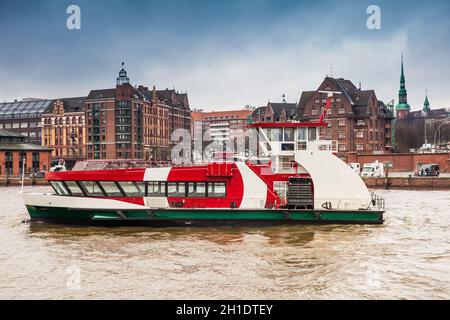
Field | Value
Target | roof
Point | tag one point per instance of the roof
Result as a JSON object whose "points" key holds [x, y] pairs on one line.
{"points": [[75, 104], [25, 108], [438, 113], [102, 94], [200, 116], [304, 98], [289, 108], [432, 114], [22, 147], [359, 99], [173, 98], [10, 134]]}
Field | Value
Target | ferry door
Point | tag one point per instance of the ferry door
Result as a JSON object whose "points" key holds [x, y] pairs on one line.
{"points": [[281, 188]]}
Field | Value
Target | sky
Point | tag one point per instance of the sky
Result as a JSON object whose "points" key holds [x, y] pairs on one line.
{"points": [[225, 53]]}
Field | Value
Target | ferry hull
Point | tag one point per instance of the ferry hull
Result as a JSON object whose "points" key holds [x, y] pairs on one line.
{"points": [[201, 217]]}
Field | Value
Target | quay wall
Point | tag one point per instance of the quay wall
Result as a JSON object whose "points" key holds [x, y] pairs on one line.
{"points": [[403, 162], [430, 183]]}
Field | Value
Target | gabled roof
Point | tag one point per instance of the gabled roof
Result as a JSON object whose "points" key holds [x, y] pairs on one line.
{"points": [[289, 108], [75, 104]]}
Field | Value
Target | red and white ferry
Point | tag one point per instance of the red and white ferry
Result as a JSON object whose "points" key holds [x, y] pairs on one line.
{"points": [[300, 180]]}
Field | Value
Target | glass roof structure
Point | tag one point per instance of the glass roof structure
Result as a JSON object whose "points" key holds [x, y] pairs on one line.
{"points": [[24, 109]]}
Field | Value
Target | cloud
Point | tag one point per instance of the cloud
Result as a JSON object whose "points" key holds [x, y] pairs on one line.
{"points": [[217, 77]]}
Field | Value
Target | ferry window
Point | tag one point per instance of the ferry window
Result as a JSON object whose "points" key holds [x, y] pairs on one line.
{"points": [[288, 134], [301, 133], [156, 189], [274, 134], [287, 147], [301, 145], [216, 189], [176, 189], [60, 188], [111, 189], [74, 188], [197, 189], [92, 188], [312, 134], [133, 189]]}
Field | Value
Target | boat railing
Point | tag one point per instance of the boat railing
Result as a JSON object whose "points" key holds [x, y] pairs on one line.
{"points": [[378, 202]]}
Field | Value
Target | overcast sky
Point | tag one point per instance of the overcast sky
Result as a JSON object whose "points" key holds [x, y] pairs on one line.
{"points": [[225, 54]]}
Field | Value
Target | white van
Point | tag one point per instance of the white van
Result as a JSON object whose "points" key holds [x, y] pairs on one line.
{"points": [[375, 169]]}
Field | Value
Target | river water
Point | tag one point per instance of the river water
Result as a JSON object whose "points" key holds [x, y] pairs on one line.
{"points": [[406, 258]]}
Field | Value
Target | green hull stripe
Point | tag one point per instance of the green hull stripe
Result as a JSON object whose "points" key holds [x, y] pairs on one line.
{"points": [[275, 215]]}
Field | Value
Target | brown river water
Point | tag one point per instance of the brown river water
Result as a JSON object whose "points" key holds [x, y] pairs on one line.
{"points": [[406, 258]]}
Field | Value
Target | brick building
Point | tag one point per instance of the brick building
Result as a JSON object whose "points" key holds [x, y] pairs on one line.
{"points": [[14, 149], [64, 130], [357, 120], [275, 112], [24, 117], [219, 124], [129, 122]]}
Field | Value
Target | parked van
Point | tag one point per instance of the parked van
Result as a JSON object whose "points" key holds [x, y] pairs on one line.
{"points": [[429, 170], [375, 169]]}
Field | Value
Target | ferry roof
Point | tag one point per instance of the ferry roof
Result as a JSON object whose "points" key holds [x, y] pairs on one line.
{"points": [[286, 124]]}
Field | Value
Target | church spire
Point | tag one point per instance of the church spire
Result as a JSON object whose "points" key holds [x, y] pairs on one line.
{"points": [[402, 94], [426, 104]]}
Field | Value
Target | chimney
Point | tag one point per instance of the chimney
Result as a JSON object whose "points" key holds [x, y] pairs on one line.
{"points": [[360, 86]]}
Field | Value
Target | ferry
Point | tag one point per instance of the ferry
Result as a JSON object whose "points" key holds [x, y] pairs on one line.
{"points": [[296, 179]]}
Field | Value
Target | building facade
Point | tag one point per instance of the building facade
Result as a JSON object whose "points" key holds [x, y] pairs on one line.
{"points": [[129, 122], [357, 120], [24, 117], [64, 129], [16, 154], [275, 112], [219, 125]]}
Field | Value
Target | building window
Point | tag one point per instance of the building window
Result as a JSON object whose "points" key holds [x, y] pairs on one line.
{"points": [[35, 161], [342, 147], [338, 99], [360, 147], [341, 135], [341, 123], [341, 111], [360, 134], [361, 123], [314, 112], [317, 101], [328, 135]]}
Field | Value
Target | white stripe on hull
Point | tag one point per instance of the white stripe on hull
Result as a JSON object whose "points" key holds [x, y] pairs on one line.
{"points": [[50, 200], [156, 174], [255, 190]]}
